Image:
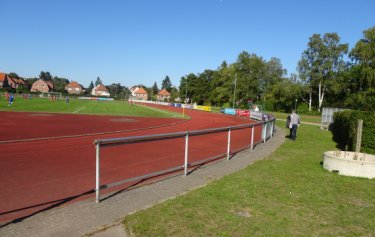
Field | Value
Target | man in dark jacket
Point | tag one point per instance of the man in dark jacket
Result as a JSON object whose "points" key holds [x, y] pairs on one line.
{"points": [[294, 123]]}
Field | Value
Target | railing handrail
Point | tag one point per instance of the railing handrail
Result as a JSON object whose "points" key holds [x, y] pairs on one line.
{"points": [[133, 139], [267, 132]]}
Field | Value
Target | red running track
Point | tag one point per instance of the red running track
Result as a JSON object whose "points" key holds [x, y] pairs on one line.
{"points": [[39, 175]]}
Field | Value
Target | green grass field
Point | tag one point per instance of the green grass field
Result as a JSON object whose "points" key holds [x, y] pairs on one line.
{"points": [[304, 118], [286, 194], [84, 107]]}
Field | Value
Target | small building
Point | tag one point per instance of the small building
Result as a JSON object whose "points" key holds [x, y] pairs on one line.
{"points": [[163, 95], [3, 80], [100, 90], [140, 94], [74, 88], [17, 83], [14, 83], [42, 86]]}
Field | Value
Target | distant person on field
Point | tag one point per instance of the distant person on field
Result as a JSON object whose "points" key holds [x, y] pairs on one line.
{"points": [[256, 109], [11, 99], [294, 123], [67, 99]]}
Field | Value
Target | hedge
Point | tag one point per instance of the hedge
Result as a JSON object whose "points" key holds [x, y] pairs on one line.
{"points": [[344, 130]]}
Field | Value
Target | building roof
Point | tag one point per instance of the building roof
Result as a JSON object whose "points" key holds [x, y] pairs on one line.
{"points": [[49, 83], [101, 87], [133, 88], [2, 76], [18, 81], [74, 84], [140, 91], [164, 92]]}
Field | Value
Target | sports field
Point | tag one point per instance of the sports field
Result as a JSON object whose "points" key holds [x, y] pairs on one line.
{"points": [[48, 159], [76, 106]]}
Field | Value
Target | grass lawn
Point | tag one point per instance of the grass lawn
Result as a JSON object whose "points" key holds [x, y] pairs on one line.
{"points": [[84, 107], [286, 194], [304, 118]]}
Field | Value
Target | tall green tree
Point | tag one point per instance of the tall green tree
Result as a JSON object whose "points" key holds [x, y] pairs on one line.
{"points": [[13, 75], [363, 55], [249, 74], [321, 63], [98, 81], [174, 94], [284, 94], [361, 75], [89, 89], [45, 76], [221, 85], [166, 84], [59, 84], [273, 74], [118, 91], [187, 86], [155, 89], [196, 87]]}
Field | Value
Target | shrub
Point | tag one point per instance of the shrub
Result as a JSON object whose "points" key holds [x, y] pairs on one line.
{"points": [[227, 105], [303, 108], [345, 126]]}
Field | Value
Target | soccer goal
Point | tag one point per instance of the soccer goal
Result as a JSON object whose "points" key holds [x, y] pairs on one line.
{"points": [[57, 95]]}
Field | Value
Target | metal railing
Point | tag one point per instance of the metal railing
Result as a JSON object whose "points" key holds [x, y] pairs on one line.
{"points": [[268, 129]]}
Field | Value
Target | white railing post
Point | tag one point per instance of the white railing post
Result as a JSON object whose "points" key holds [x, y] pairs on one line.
{"points": [[228, 149], [186, 153], [252, 137], [264, 132], [97, 178]]}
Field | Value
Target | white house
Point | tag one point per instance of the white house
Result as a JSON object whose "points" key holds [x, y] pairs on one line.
{"points": [[100, 90]]}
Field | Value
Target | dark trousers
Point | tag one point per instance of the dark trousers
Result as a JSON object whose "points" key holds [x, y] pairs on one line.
{"points": [[293, 132]]}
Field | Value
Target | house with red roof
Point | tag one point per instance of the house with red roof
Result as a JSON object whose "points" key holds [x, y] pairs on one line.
{"points": [[3, 80], [74, 88], [100, 90], [163, 95], [14, 83], [139, 93], [42, 86]]}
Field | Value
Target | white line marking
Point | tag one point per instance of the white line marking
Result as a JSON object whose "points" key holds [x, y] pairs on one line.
{"points": [[79, 110]]}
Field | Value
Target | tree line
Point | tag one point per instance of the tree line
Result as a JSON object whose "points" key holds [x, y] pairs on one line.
{"points": [[328, 75]]}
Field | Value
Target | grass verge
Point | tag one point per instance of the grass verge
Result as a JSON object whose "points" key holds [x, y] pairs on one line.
{"points": [[286, 194], [85, 107], [304, 118]]}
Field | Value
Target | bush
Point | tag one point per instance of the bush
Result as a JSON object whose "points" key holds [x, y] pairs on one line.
{"points": [[362, 100], [345, 126], [269, 105], [302, 108], [227, 105]]}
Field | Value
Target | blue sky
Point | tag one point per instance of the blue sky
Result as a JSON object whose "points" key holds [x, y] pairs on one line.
{"points": [[141, 41]]}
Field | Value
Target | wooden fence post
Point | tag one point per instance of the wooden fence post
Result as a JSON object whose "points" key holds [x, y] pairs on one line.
{"points": [[359, 137]]}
